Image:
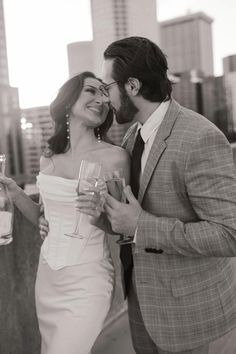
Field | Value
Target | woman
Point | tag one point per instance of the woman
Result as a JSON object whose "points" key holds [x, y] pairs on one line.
{"points": [[75, 277]]}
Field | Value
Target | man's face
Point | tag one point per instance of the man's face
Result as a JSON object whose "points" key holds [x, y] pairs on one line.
{"points": [[122, 105]]}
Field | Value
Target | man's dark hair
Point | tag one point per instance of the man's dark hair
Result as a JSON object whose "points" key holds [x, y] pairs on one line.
{"points": [[140, 58]]}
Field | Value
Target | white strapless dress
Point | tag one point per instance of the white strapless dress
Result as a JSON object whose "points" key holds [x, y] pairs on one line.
{"points": [[75, 278]]}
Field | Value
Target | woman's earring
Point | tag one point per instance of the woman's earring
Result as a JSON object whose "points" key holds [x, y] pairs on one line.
{"points": [[99, 135], [67, 126]]}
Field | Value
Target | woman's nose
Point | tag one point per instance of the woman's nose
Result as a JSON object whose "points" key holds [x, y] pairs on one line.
{"points": [[102, 99], [105, 99], [98, 98]]}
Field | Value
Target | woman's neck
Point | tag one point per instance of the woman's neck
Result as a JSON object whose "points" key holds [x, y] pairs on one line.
{"points": [[82, 139]]}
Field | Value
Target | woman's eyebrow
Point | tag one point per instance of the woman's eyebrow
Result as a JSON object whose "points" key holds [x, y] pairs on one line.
{"points": [[87, 85]]}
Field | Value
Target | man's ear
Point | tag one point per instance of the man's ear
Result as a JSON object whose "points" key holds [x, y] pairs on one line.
{"points": [[133, 86]]}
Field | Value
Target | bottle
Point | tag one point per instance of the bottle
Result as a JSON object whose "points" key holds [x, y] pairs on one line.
{"points": [[6, 209]]}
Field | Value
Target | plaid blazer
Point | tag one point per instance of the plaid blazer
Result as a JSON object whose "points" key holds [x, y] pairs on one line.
{"points": [[187, 294]]}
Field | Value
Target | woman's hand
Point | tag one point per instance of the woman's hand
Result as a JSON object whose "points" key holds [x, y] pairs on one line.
{"points": [[13, 188], [43, 227], [91, 204]]}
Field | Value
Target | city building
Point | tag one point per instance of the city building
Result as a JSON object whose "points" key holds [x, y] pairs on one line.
{"points": [[229, 64], [222, 118], [205, 95], [116, 19], [187, 90], [187, 42], [10, 132], [229, 77], [208, 92], [230, 86], [4, 77], [37, 127]]}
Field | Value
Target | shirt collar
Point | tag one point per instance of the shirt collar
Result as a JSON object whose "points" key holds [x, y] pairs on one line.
{"points": [[154, 121]]}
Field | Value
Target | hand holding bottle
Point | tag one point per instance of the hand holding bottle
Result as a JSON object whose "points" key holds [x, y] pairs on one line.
{"points": [[6, 208], [12, 187]]}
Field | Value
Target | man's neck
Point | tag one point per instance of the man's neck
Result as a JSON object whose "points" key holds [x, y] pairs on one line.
{"points": [[145, 110]]}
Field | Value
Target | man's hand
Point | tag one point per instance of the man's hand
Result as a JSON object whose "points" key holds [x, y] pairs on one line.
{"points": [[43, 227], [123, 217]]}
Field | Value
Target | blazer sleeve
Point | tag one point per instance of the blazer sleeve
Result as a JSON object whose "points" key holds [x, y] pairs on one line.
{"points": [[210, 181]]}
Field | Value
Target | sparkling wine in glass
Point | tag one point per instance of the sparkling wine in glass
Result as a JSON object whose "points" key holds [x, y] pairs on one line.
{"points": [[88, 183], [115, 182]]}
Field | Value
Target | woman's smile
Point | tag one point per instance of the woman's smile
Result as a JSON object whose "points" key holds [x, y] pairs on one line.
{"points": [[97, 110]]}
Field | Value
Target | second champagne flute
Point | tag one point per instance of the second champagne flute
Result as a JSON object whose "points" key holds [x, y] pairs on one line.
{"points": [[115, 182]]}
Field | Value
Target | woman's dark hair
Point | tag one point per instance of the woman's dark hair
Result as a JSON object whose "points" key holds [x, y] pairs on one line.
{"points": [[65, 99], [140, 58]]}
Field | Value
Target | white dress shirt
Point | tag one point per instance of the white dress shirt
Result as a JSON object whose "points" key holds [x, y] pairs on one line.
{"points": [[148, 132]]}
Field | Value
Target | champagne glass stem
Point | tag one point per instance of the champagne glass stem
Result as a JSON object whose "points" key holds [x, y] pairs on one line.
{"points": [[75, 232]]}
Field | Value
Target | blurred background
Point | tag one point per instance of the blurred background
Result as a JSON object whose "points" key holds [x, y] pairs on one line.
{"points": [[42, 44]]}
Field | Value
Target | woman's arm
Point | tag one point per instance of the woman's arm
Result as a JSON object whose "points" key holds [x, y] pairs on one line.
{"points": [[23, 202]]}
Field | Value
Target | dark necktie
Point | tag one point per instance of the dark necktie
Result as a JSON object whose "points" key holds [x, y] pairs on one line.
{"points": [[136, 164], [126, 250]]}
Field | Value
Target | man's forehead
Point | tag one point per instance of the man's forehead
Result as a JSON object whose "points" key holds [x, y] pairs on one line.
{"points": [[107, 70]]}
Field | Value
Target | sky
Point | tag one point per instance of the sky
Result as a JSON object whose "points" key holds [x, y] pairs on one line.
{"points": [[38, 31]]}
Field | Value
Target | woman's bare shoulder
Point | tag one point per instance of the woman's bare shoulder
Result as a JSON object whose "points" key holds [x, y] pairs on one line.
{"points": [[116, 151], [114, 156], [46, 164], [115, 148]]}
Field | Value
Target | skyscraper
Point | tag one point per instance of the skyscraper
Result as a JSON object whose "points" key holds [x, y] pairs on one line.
{"points": [[4, 78], [10, 132], [116, 19], [229, 64], [187, 42], [187, 90]]}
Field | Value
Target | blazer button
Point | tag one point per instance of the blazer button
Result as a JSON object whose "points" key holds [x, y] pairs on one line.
{"points": [[153, 250]]}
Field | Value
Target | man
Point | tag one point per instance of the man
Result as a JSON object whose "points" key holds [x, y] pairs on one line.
{"points": [[178, 275], [181, 292]]}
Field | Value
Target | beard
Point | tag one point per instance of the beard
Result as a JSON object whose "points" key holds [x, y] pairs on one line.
{"points": [[127, 110]]}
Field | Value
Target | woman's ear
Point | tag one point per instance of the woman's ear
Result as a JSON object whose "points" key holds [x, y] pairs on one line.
{"points": [[133, 86]]}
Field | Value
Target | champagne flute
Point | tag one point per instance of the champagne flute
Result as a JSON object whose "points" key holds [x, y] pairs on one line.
{"points": [[115, 182], [88, 183]]}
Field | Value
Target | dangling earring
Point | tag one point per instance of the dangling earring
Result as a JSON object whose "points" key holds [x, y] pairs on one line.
{"points": [[99, 135], [68, 127]]}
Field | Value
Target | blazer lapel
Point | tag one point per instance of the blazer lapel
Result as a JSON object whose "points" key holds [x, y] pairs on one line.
{"points": [[159, 145]]}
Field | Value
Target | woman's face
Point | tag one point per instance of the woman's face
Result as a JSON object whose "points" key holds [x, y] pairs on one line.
{"points": [[90, 107]]}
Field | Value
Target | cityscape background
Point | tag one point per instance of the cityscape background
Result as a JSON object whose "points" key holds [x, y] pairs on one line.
{"points": [[42, 43], [34, 27], [201, 52]]}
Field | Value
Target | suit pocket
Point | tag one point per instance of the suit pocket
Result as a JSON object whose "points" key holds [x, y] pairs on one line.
{"points": [[193, 283]]}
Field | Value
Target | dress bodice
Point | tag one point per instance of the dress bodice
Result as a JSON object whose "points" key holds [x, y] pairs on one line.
{"points": [[59, 250]]}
